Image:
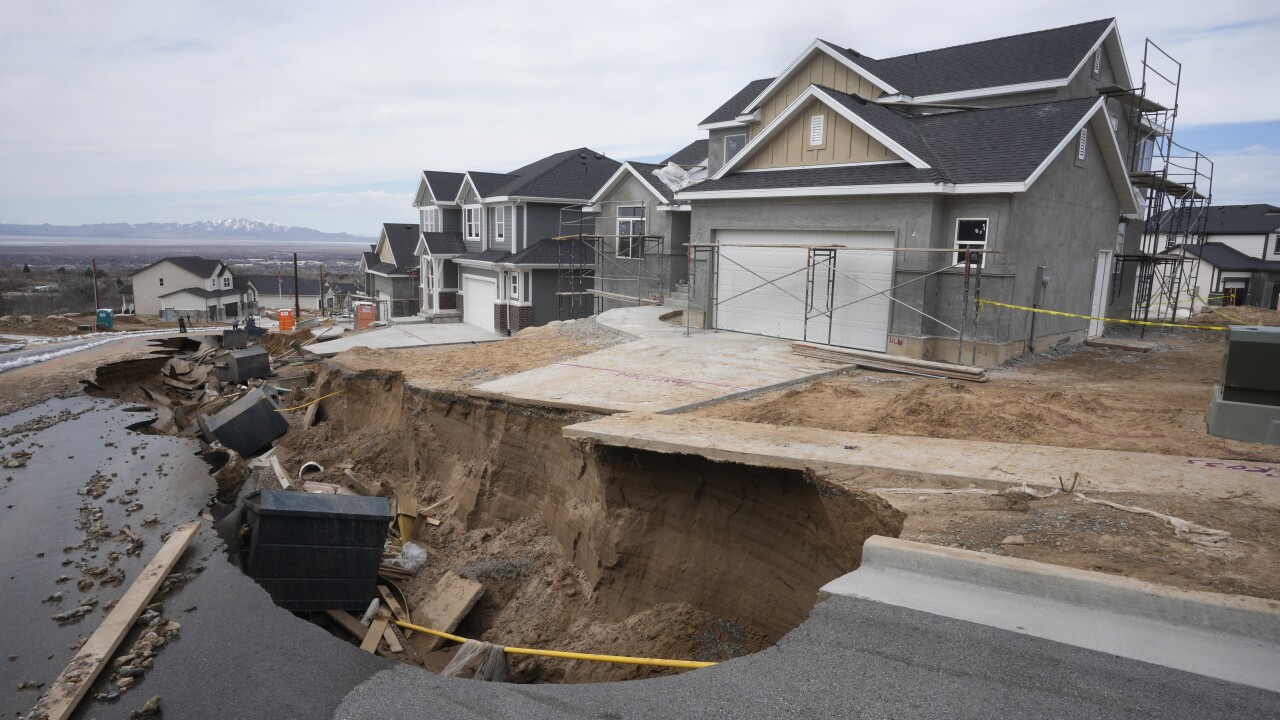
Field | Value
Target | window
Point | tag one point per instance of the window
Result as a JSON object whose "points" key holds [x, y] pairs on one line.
{"points": [[1146, 150], [226, 282], [526, 285], [161, 282], [1084, 144], [1097, 62], [472, 222], [733, 145], [499, 223], [817, 128], [971, 234], [1275, 245], [515, 286], [630, 232], [430, 219]]}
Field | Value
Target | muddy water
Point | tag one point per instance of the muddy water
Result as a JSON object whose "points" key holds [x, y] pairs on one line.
{"points": [[69, 440]]}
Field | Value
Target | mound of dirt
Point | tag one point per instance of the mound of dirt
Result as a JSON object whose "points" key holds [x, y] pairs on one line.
{"points": [[280, 343], [1237, 315], [952, 410]]}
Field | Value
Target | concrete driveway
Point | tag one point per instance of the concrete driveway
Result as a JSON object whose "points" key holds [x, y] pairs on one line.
{"points": [[662, 369], [406, 336]]}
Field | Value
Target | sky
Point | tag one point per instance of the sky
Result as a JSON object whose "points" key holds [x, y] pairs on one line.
{"points": [[322, 114]]}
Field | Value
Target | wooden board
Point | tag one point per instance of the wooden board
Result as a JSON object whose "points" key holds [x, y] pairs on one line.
{"points": [[446, 606], [71, 686], [374, 636], [893, 363]]}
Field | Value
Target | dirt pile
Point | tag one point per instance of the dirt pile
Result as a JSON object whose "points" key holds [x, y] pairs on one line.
{"points": [[1237, 315], [278, 344], [596, 550]]}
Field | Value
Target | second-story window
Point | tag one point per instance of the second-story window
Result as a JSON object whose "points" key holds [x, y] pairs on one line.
{"points": [[430, 219], [631, 229], [161, 282], [733, 145], [226, 282], [472, 222], [499, 224]]}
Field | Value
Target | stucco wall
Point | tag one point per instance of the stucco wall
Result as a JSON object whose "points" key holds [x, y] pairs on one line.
{"points": [[147, 288]]}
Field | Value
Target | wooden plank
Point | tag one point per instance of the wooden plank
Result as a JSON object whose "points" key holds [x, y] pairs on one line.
{"points": [[74, 682], [374, 636], [446, 606], [390, 637], [349, 622]]}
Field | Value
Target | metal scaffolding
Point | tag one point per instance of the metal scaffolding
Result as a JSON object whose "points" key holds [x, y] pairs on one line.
{"points": [[820, 275], [594, 267], [1176, 184]]}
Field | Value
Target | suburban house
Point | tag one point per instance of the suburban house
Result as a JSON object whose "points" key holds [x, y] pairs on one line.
{"points": [[390, 271], [276, 291], [642, 237], [1239, 262], [341, 295], [484, 243], [846, 194], [191, 285]]}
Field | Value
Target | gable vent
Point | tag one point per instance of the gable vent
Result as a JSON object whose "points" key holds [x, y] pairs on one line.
{"points": [[1084, 143], [817, 124], [1097, 61]]}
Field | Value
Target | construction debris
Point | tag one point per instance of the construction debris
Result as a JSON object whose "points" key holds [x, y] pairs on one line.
{"points": [[1184, 529], [880, 361], [446, 606], [248, 424]]}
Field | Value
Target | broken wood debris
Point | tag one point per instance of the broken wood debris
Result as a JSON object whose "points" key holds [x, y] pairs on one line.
{"points": [[891, 363]]}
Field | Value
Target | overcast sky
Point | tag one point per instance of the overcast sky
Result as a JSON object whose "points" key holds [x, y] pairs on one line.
{"points": [[321, 114]]}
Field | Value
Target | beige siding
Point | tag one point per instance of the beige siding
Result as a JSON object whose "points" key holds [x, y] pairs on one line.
{"points": [[384, 250], [822, 69], [845, 143]]}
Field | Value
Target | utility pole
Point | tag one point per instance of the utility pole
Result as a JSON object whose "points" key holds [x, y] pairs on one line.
{"points": [[95, 287], [297, 306], [322, 290]]}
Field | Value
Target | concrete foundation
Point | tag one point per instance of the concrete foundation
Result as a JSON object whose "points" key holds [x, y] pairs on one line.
{"points": [[1243, 421]]}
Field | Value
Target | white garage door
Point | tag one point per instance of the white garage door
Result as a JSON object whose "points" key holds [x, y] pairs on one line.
{"points": [[748, 304], [478, 297]]}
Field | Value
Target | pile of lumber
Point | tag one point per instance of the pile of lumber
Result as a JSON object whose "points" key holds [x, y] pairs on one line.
{"points": [[880, 361]]}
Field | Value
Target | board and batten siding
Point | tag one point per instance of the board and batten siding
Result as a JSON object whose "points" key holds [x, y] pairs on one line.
{"points": [[384, 250], [821, 69], [843, 142]]}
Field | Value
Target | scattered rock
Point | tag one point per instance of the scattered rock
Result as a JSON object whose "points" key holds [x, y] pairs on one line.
{"points": [[150, 708], [1014, 540]]}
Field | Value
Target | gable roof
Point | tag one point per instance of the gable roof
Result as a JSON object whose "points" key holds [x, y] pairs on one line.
{"points": [[1040, 56], [440, 243], [1001, 149], [442, 186], [642, 172], [403, 240], [1241, 219], [695, 153], [571, 175], [554, 252], [191, 263], [1225, 257], [1002, 65]]}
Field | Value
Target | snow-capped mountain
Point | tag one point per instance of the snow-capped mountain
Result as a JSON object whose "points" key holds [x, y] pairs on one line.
{"points": [[234, 228]]}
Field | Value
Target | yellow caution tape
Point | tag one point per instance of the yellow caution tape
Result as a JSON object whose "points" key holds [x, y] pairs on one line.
{"points": [[622, 659], [1042, 311], [313, 402]]}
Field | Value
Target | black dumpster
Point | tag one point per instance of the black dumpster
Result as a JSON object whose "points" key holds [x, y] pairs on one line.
{"points": [[246, 425], [316, 552], [239, 366]]}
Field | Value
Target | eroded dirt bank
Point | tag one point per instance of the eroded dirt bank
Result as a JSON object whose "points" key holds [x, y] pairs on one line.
{"points": [[590, 549]]}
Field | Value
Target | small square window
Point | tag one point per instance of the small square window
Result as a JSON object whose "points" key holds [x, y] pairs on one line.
{"points": [[161, 282], [733, 145], [971, 234]]}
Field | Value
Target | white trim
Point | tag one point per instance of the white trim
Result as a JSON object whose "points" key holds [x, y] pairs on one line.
{"points": [[955, 240], [722, 125], [814, 92], [969, 94], [832, 165], [525, 228], [500, 221], [618, 220], [674, 208], [817, 45], [466, 223], [478, 264], [750, 117], [615, 178], [531, 198]]}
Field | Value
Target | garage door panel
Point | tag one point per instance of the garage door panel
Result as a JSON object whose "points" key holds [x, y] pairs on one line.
{"points": [[747, 304], [479, 295]]}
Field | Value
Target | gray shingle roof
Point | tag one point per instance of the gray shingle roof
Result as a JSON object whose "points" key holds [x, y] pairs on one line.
{"points": [[191, 263], [695, 153], [273, 284], [492, 255], [403, 241], [440, 243], [646, 171], [203, 293], [491, 184], [734, 106], [1030, 57], [1225, 257], [553, 252], [996, 145], [1256, 219], [444, 185]]}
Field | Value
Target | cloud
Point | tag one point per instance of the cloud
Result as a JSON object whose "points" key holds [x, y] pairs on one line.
{"points": [[157, 102], [1247, 176]]}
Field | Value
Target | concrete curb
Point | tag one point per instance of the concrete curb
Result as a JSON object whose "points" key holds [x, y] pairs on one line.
{"points": [[1229, 637]]}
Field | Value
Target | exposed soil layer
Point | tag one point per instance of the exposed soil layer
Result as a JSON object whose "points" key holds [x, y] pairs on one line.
{"points": [[1071, 397], [595, 550]]}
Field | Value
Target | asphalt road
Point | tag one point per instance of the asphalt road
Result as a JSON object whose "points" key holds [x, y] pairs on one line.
{"points": [[239, 656]]}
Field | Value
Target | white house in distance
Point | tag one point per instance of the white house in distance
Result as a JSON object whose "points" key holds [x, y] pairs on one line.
{"points": [[191, 284], [1240, 257], [276, 291]]}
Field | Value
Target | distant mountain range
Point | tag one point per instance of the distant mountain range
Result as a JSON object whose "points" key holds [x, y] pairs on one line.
{"points": [[238, 228]]}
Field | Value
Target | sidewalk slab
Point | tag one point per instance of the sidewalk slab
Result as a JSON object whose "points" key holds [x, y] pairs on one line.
{"points": [[932, 460], [405, 336], [1228, 637]]}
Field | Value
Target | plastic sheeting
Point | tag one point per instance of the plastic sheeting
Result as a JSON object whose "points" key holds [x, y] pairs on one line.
{"points": [[479, 660]]}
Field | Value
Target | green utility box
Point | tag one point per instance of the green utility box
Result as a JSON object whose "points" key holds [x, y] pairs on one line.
{"points": [[1246, 406], [106, 319]]}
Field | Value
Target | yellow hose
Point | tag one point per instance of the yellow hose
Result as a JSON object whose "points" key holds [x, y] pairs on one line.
{"points": [[313, 402], [686, 664]]}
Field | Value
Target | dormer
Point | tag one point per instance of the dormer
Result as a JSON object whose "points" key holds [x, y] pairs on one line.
{"points": [[821, 63]]}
